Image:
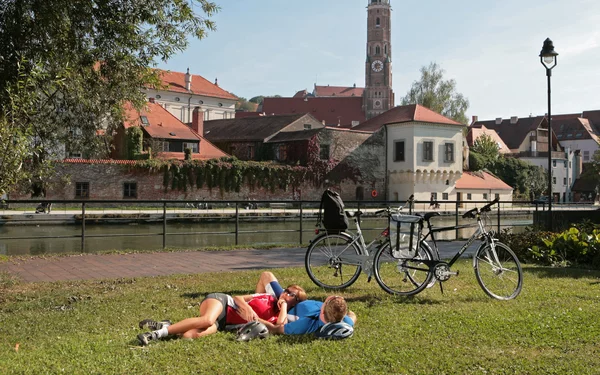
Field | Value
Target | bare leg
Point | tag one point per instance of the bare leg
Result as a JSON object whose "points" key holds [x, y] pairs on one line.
{"points": [[263, 281], [210, 309]]}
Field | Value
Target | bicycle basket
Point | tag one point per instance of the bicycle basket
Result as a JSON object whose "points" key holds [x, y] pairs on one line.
{"points": [[405, 231]]}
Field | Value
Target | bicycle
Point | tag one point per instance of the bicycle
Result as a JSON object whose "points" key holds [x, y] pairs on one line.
{"points": [[497, 268], [335, 260]]}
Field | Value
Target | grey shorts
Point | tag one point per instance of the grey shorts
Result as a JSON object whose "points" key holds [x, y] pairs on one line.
{"points": [[223, 298]]}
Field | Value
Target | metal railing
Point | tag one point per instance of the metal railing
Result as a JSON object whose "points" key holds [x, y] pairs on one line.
{"points": [[88, 212]]}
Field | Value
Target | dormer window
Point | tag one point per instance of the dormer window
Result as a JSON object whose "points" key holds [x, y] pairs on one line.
{"points": [[172, 134], [307, 126]]}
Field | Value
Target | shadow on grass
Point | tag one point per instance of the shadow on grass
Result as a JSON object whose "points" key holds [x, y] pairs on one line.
{"points": [[557, 272], [202, 294]]}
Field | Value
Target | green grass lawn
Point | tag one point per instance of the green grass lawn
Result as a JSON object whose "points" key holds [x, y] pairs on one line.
{"points": [[90, 328]]}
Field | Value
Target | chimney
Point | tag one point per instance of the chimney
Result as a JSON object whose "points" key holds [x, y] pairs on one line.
{"points": [[216, 82], [198, 121], [498, 120], [474, 119], [514, 119], [151, 100], [188, 80]]}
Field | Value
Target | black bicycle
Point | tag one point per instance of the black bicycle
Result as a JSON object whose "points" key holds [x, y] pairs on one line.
{"points": [[496, 266]]}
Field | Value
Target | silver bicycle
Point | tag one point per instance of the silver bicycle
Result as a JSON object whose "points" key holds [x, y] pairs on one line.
{"points": [[335, 260]]}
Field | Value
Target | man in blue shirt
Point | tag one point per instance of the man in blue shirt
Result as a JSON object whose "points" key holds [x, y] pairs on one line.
{"points": [[307, 316]]}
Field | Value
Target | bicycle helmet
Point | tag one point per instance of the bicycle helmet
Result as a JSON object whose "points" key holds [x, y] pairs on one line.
{"points": [[252, 330], [335, 331]]}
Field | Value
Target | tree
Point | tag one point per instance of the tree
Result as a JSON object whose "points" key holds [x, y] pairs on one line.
{"points": [[437, 94], [525, 178], [486, 146], [101, 51]]}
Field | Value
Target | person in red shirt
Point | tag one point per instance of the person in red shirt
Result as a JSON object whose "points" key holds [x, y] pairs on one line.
{"points": [[218, 310]]}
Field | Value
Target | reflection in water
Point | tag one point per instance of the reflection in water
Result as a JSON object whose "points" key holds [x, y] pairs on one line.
{"points": [[188, 235]]}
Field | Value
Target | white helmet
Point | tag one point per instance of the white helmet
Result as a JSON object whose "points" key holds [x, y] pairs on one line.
{"points": [[252, 330], [335, 331]]}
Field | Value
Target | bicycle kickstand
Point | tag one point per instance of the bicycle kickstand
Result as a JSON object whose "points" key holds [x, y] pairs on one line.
{"points": [[441, 287]]}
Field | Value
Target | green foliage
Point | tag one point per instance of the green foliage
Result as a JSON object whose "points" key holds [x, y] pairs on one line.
{"points": [[527, 179], [188, 153], [84, 327], [135, 138], [84, 60], [521, 243], [437, 94], [486, 146], [477, 161]]}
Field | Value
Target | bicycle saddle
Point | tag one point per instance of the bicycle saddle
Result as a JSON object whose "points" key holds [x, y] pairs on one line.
{"points": [[353, 214]]}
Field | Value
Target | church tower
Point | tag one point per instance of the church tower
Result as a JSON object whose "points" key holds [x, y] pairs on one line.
{"points": [[378, 96]]}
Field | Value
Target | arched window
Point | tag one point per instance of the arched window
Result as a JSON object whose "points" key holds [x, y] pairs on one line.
{"points": [[378, 22], [385, 49], [377, 50]]}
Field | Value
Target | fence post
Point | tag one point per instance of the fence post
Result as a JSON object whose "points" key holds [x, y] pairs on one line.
{"points": [[301, 226], [237, 222], [82, 227], [498, 218], [456, 220], [164, 225]]}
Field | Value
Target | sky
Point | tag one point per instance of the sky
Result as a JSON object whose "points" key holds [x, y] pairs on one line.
{"points": [[490, 48]]}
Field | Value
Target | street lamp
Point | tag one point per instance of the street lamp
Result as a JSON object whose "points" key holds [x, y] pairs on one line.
{"points": [[548, 58]]}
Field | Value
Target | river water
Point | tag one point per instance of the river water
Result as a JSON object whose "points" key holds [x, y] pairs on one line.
{"points": [[192, 235]]}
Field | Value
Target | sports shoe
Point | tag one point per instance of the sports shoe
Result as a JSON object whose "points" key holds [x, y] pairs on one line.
{"points": [[154, 325], [145, 338]]}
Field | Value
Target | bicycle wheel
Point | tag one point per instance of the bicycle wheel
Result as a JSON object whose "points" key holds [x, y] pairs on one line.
{"points": [[325, 263], [499, 275], [402, 276]]}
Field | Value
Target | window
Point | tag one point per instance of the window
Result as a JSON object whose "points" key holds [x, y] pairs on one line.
{"points": [[565, 181], [449, 152], [282, 153], [434, 197], [377, 50], [399, 151], [130, 190], [496, 196], [251, 152], [75, 155], [469, 196], [565, 163], [378, 22], [177, 99], [554, 163], [485, 197], [324, 154], [158, 96], [82, 190], [586, 156], [553, 180], [220, 104], [144, 120], [428, 151], [307, 126], [191, 145], [445, 196]]}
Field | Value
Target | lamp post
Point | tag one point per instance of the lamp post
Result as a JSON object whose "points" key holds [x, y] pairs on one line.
{"points": [[548, 58]]}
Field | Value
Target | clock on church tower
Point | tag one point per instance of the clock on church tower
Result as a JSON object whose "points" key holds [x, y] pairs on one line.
{"points": [[378, 96]]}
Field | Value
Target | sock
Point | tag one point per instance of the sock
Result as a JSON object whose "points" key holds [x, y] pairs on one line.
{"points": [[163, 332]]}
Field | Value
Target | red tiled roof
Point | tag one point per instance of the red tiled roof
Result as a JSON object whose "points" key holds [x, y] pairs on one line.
{"points": [[475, 133], [175, 81], [406, 113], [481, 180], [569, 128], [301, 94], [332, 110], [324, 91], [161, 123], [255, 129]]}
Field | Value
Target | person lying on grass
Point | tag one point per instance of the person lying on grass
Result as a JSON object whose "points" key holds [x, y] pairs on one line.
{"points": [[218, 310], [306, 316]]}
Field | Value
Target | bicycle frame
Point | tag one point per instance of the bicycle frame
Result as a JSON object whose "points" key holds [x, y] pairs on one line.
{"points": [[480, 232], [365, 258]]}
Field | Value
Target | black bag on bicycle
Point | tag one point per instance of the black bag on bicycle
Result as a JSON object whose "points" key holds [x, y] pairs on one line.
{"points": [[332, 209]]}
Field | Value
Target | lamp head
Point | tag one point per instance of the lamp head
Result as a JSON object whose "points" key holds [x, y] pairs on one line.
{"points": [[548, 55]]}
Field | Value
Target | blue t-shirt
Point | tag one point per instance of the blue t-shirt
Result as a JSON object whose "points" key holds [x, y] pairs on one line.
{"points": [[307, 318]]}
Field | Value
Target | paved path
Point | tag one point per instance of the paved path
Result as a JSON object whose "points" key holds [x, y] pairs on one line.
{"points": [[110, 266]]}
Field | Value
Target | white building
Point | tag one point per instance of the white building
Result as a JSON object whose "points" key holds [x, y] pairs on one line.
{"points": [[183, 92]]}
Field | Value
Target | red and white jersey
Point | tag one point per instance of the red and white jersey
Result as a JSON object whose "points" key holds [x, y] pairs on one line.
{"points": [[263, 304]]}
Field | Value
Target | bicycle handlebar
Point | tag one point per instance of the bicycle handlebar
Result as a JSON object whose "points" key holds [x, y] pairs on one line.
{"points": [[487, 208]]}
